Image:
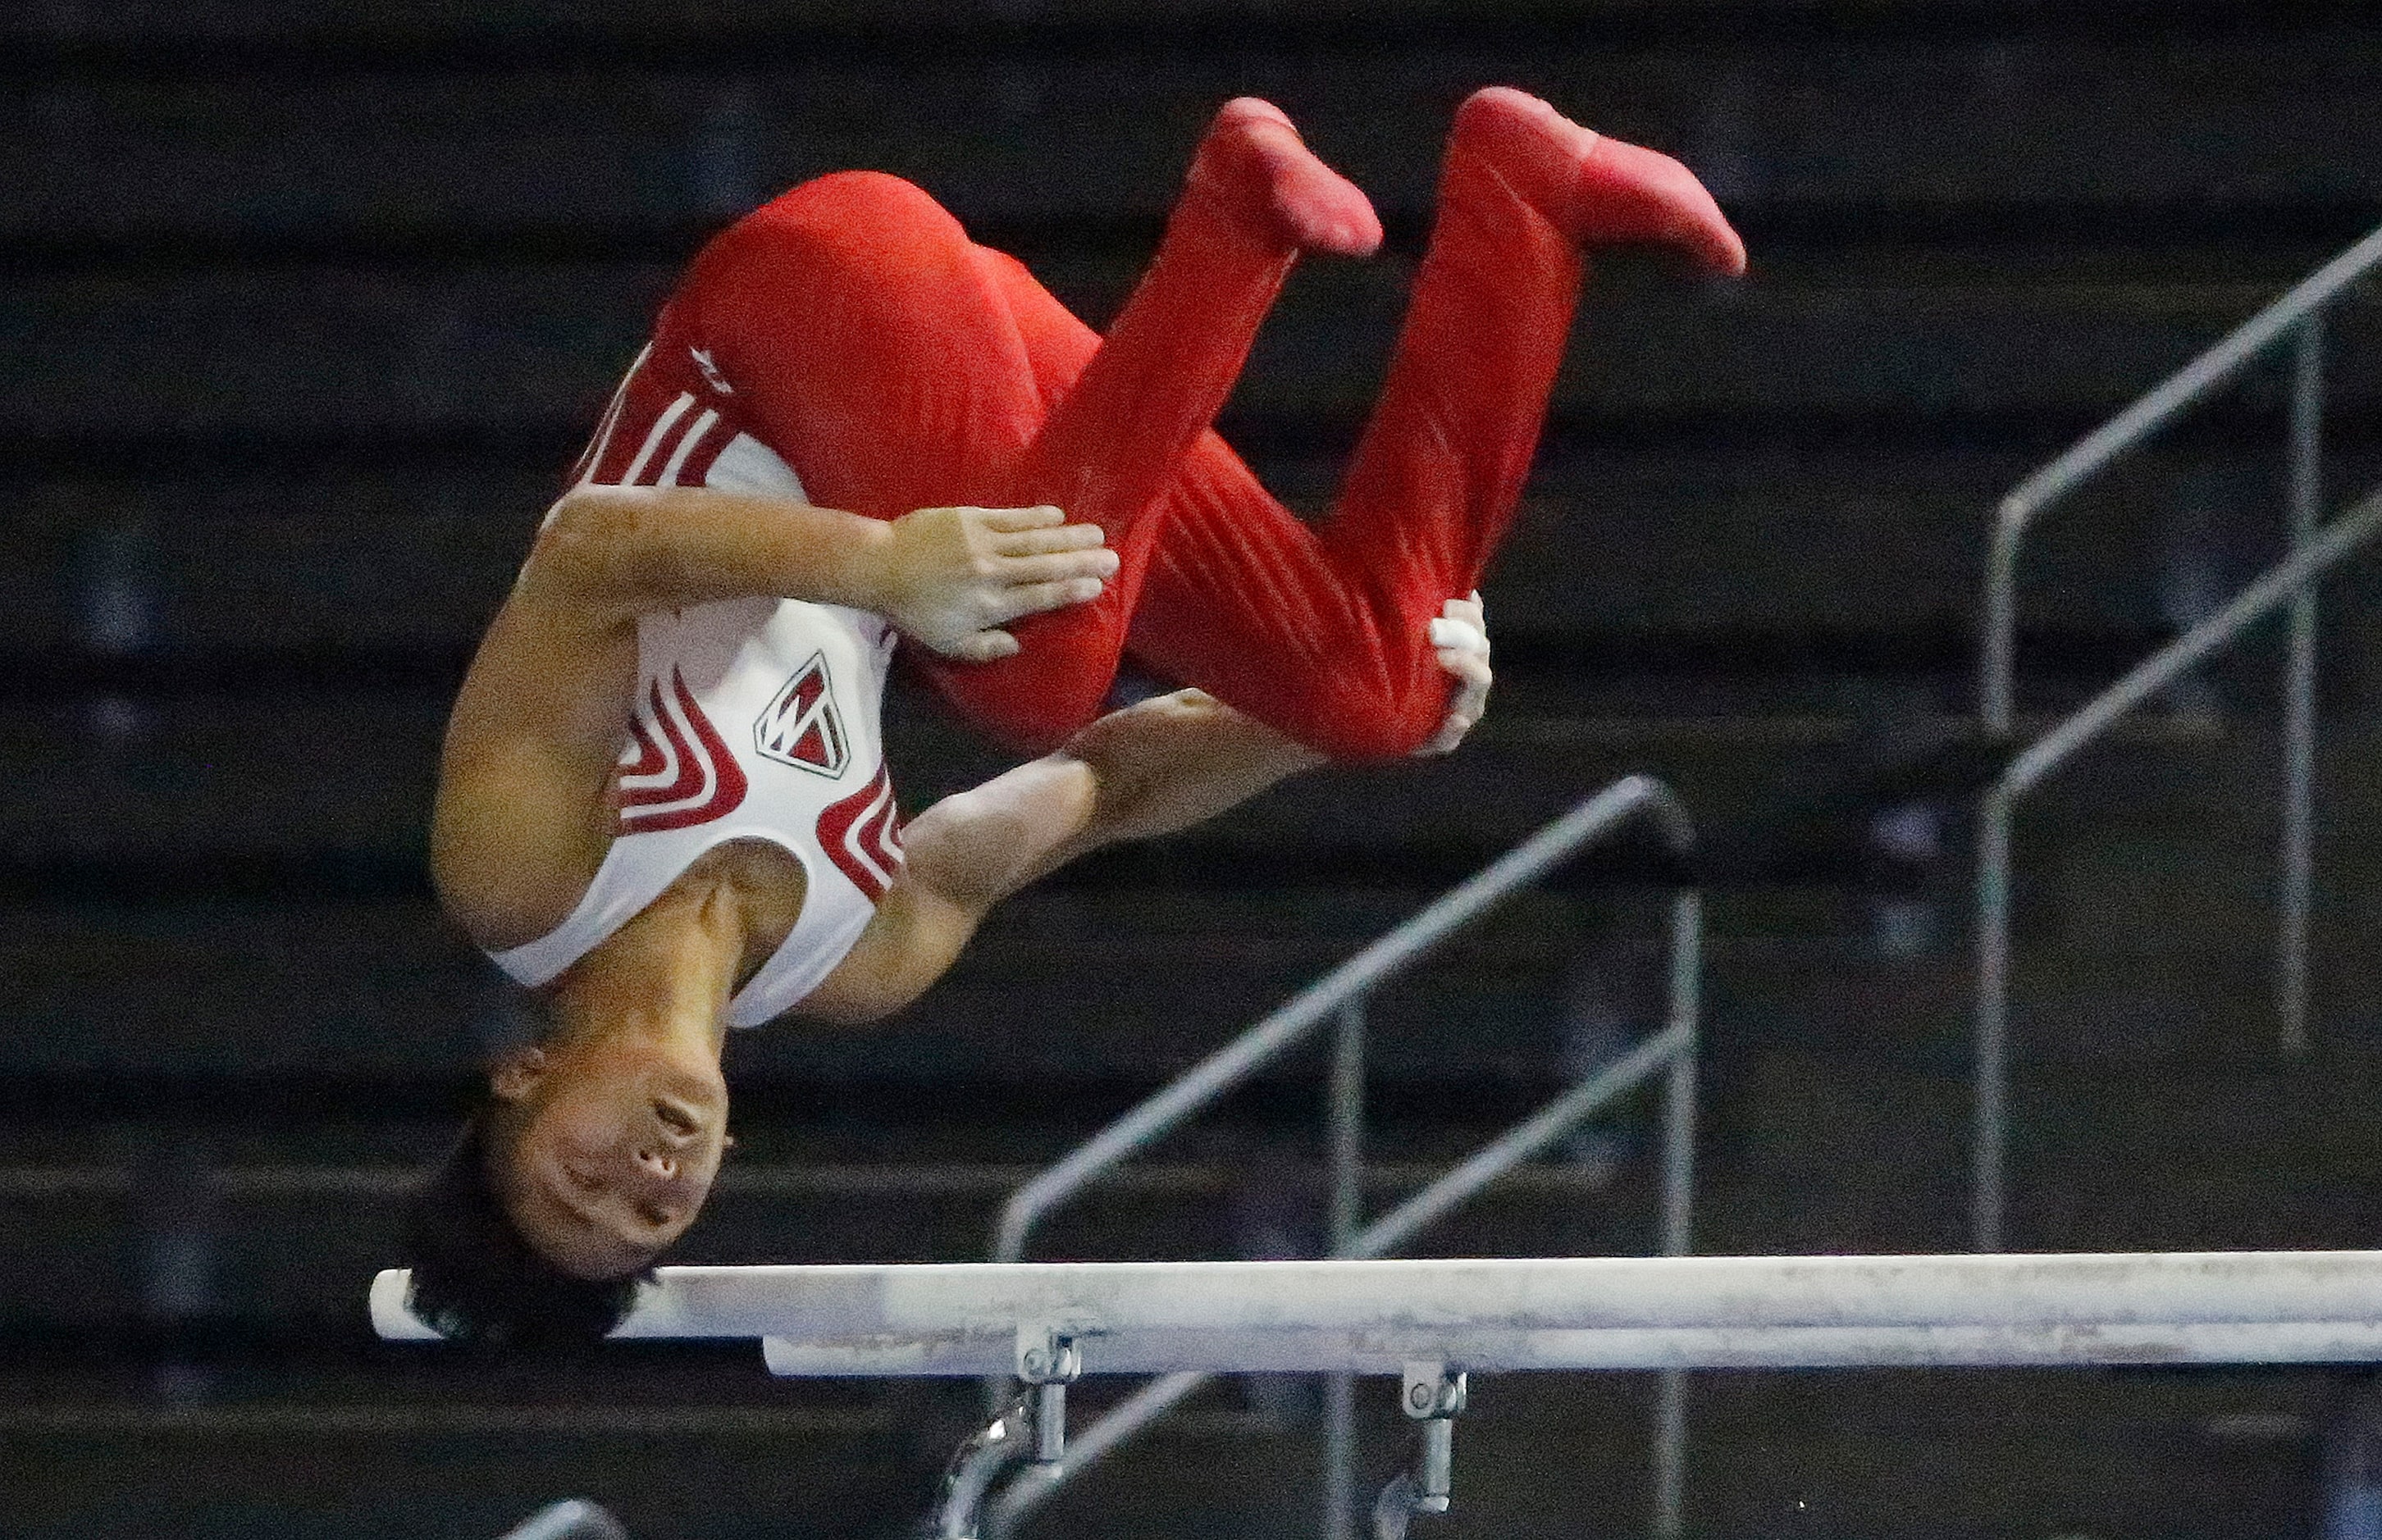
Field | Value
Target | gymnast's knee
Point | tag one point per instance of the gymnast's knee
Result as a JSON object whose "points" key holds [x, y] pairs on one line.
{"points": [[853, 233], [872, 208], [1354, 726]]}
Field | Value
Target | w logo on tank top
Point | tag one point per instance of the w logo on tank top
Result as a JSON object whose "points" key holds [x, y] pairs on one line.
{"points": [[802, 727]]}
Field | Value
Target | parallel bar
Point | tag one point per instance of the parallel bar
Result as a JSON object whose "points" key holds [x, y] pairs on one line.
{"points": [[2028, 1346], [2297, 863], [1570, 1312]]}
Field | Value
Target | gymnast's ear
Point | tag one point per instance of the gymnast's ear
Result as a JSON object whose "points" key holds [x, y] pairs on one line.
{"points": [[516, 1072]]}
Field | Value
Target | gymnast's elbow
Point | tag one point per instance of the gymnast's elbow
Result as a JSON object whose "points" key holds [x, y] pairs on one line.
{"points": [[596, 550]]}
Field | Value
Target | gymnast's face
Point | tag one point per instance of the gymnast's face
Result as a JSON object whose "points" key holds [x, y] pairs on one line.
{"points": [[611, 1151]]}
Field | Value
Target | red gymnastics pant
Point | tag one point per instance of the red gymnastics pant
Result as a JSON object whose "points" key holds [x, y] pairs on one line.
{"points": [[896, 365]]}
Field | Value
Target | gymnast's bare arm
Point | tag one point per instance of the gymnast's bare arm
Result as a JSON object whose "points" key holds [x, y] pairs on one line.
{"points": [[1150, 769], [522, 820]]}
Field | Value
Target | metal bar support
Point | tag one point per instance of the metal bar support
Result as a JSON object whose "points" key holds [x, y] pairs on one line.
{"points": [[576, 1519], [1000, 1442], [2280, 583], [1433, 1396]]}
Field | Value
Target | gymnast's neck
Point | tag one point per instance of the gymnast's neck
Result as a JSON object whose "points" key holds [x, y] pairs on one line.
{"points": [[664, 980]]}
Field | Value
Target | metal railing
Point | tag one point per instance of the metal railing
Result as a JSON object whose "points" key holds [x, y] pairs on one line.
{"points": [[2281, 584], [1339, 997], [2299, 317]]}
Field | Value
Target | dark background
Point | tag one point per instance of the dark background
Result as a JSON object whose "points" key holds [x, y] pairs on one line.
{"points": [[303, 309]]}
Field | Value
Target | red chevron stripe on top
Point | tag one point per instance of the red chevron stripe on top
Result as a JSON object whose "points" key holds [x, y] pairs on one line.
{"points": [[858, 834], [697, 467], [704, 781], [652, 758], [665, 426], [882, 833]]}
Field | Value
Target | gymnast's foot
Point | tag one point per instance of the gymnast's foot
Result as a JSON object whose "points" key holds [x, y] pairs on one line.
{"points": [[1597, 190], [1253, 159]]}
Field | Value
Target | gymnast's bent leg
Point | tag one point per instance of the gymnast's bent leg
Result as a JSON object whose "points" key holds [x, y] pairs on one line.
{"points": [[877, 354], [1322, 633]]}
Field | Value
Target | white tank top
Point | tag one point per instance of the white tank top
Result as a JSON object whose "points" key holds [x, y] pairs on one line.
{"points": [[756, 719]]}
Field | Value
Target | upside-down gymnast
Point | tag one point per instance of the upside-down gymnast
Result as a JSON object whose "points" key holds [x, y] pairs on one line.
{"points": [[663, 802]]}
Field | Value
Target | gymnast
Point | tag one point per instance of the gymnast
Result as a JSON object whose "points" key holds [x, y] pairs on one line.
{"points": [[663, 802]]}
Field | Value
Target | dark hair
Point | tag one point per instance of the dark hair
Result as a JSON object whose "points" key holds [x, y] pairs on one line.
{"points": [[476, 1277]]}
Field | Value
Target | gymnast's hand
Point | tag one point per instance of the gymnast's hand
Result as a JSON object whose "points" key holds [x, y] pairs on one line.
{"points": [[1460, 638], [951, 578]]}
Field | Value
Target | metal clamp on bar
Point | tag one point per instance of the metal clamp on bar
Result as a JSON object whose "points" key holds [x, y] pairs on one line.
{"points": [[1048, 1361], [1432, 1396]]}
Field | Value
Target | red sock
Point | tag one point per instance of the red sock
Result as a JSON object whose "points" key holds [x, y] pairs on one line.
{"points": [[1597, 190]]}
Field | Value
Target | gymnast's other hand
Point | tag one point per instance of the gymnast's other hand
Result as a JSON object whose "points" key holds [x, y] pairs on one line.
{"points": [[1459, 638], [952, 578]]}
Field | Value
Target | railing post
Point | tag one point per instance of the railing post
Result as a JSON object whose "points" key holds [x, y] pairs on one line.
{"points": [[2297, 863], [1679, 1109], [1991, 1128], [1347, 1111], [1997, 689], [1670, 1453], [1346, 1114], [1678, 1198]]}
